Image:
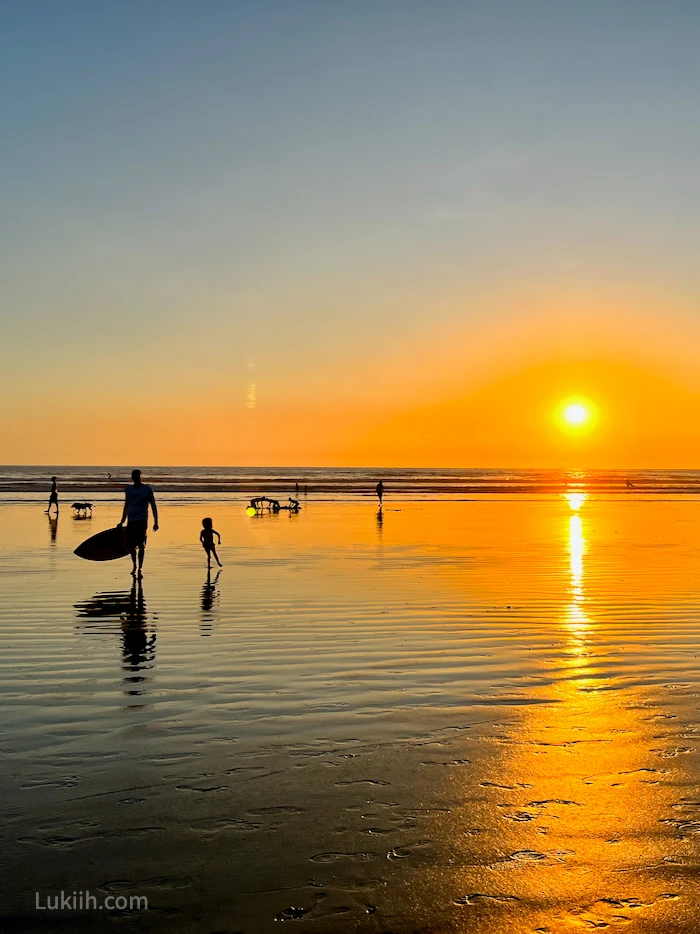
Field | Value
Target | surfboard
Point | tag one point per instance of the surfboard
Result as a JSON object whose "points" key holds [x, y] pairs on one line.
{"points": [[105, 546]]}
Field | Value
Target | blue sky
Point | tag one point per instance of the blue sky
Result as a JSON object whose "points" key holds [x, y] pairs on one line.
{"points": [[183, 183]]}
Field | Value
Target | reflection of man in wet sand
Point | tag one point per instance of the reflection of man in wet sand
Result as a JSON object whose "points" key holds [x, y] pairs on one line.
{"points": [[138, 638], [53, 496], [137, 499], [138, 644]]}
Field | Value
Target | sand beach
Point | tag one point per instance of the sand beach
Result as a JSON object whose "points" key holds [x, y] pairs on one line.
{"points": [[466, 716]]}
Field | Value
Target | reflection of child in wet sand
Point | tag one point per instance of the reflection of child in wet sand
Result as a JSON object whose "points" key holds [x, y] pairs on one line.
{"points": [[209, 592], [206, 537]]}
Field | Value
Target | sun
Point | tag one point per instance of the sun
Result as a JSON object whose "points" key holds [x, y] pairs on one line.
{"points": [[576, 415]]}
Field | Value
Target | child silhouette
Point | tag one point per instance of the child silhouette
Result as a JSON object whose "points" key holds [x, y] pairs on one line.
{"points": [[206, 537]]}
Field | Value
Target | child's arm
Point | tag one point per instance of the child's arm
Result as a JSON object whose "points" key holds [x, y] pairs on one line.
{"points": [[217, 535], [201, 536]]}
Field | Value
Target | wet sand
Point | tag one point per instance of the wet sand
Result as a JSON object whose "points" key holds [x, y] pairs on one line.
{"points": [[477, 716]]}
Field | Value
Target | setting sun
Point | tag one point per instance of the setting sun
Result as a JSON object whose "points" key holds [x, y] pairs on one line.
{"points": [[576, 415]]}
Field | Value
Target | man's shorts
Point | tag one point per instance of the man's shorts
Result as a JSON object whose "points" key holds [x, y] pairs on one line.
{"points": [[136, 533]]}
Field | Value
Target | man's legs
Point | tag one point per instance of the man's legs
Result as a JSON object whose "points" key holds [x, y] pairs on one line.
{"points": [[136, 542]]}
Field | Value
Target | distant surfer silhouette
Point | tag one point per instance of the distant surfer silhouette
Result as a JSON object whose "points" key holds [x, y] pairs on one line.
{"points": [[53, 496], [137, 499], [380, 492]]}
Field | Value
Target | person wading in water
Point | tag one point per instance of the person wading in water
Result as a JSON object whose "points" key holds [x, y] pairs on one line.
{"points": [[137, 499]]}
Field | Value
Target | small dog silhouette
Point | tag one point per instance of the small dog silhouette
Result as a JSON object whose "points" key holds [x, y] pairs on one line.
{"points": [[82, 509]]}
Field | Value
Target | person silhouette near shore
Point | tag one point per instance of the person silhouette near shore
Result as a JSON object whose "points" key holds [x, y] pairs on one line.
{"points": [[206, 537], [137, 499], [53, 496], [380, 492]]}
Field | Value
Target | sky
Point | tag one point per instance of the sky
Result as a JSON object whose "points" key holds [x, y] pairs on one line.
{"points": [[372, 233]]}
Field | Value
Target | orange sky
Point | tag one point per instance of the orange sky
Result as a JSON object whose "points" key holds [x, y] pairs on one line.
{"points": [[455, 396]]}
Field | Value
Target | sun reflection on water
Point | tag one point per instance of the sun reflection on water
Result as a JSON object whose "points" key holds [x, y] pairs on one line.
{"points": [[577, 621], [576, 500]]}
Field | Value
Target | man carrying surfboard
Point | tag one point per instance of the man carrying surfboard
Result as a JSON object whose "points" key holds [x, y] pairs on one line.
{"points": [[137, 499]]}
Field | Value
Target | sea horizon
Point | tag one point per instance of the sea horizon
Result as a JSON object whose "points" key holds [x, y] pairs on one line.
{"points": [[30, 483]]}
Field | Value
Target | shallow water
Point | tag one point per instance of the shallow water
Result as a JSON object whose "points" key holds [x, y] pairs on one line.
{"points": [[477, 716]]}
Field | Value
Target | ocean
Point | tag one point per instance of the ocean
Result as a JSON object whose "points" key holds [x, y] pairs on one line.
{"points": [[197, 484]]}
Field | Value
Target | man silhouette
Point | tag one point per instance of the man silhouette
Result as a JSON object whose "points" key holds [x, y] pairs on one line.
{"points": [[137, 499], [380, 492], [53, 497]]}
